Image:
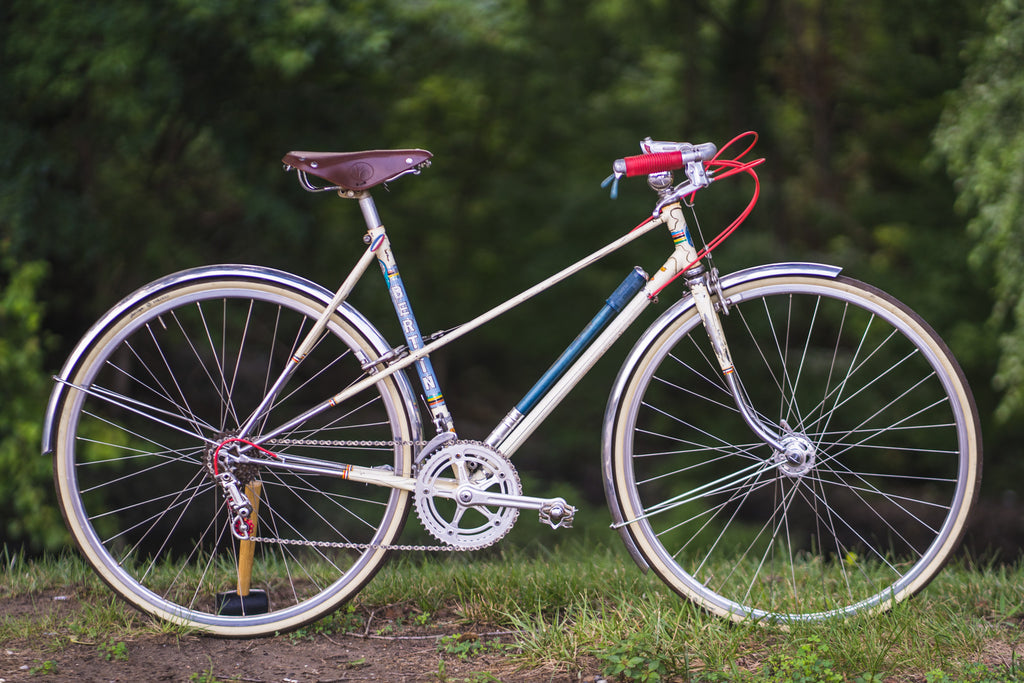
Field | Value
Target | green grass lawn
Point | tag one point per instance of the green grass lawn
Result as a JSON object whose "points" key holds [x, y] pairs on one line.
{"points": [[589, 601]]}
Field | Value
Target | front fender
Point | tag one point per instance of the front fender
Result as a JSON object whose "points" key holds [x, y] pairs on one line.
{"points": [[216, 272], [674, 311]]}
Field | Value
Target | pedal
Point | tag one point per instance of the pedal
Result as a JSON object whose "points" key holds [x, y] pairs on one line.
{"points": [[557, 514]]}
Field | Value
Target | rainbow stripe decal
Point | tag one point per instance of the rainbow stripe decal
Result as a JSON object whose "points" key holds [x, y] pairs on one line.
{"points": [[681, 236]]}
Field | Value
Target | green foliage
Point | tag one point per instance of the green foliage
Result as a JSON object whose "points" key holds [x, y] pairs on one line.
{"points": [[44, 668], [587, 615], [809, 665], [345, 620], [141, 138], [129, 153], [27, 509], [638, 658], [465, 646], [982, 140], [979, 673], [205, 676], [481, 677], [113, 651]]}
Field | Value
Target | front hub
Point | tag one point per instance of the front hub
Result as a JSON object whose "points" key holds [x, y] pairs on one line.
{"points": [[797, 457]]}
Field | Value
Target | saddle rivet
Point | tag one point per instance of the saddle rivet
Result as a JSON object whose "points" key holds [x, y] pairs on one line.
{"points": [[314, 164], [409, 160]]}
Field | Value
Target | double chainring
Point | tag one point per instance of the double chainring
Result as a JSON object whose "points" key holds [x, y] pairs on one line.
{"points": [[449, 487]]}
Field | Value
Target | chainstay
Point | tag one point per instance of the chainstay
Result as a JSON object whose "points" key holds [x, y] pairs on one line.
{"points": [[340, 545], [357, 546], [342, 444]]}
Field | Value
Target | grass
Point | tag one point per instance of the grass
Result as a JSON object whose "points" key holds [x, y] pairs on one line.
{"points": [[589, 603]]}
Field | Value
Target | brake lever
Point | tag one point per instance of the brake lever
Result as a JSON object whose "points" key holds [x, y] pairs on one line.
{"points": [[697, 177]]}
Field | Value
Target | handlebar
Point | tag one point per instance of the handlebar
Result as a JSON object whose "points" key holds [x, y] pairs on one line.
{"points": [[677, 156], [659, 157], [699, 162]]}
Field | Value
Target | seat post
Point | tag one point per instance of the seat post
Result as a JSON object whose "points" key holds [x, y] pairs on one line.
{"points": [[369, 210]]}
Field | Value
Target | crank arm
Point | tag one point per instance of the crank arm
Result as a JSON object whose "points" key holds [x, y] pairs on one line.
{"points": [[470, 496], [554, 511]]}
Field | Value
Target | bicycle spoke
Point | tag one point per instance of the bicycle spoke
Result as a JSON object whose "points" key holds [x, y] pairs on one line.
{"points": [[873, 476], [150, 420]]}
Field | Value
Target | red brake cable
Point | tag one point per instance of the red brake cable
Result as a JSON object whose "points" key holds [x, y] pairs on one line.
{"points": [[734, 166], [237, 440]]}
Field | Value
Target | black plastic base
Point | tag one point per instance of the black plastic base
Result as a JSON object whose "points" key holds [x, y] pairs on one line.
{"points": [[232, 604]]}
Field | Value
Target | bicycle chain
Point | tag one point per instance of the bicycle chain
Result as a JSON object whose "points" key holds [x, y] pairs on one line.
{"points": [[357, 546], [340, 545]]}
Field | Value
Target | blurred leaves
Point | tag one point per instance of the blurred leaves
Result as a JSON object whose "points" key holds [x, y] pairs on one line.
{"points": [[141, 138], [27, 505], [982, 138]]}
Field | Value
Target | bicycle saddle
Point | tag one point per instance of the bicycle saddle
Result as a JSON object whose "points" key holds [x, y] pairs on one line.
{"points": [[359, 170]]}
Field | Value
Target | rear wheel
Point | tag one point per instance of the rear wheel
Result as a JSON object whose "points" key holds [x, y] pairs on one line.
{"points": [[882, 462], [177, 374]]}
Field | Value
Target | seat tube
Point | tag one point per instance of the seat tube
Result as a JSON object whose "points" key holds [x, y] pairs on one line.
{"points": [[439, 412]]}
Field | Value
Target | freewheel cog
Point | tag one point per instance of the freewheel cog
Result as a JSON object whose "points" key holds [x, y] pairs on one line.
{"points": [[464, 467]]}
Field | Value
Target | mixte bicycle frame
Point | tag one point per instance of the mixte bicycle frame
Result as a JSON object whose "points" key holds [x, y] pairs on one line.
{"points": [[620, 311], [831, 468]]}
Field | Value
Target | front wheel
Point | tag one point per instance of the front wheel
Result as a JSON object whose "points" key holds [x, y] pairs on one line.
{"points": [[882, 462], [170, 375]]}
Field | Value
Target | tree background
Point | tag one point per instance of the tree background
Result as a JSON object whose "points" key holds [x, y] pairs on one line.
{"points": [[141, 138]]}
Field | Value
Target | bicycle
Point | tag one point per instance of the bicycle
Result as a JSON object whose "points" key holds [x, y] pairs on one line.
{"points": [[237, 449]]}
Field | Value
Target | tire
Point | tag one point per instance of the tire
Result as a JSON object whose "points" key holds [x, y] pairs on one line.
{"points": [[159, 383], [885, 436]]}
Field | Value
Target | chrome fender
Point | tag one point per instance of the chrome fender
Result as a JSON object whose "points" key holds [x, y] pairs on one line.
{"points": [[254, 273], [674, 311]]}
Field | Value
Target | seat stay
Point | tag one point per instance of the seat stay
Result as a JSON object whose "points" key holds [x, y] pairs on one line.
{"points": [[313, 336]]}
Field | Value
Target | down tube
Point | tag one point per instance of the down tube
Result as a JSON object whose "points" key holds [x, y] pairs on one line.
{"points": [[515, 428], [508, 437]]}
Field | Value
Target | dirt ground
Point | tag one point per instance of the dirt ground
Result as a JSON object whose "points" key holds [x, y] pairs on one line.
{"points": [[389, 649]]}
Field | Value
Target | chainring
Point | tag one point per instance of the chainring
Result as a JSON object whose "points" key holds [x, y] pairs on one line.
{"points": [[459, 464]]}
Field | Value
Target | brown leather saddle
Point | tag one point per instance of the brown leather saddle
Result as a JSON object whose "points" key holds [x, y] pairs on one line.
{"points": [[359, 170]]}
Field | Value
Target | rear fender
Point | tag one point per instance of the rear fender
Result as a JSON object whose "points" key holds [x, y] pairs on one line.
{"points": [[170, 282]]}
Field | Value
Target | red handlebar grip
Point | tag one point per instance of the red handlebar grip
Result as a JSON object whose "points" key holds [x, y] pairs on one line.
{"points": [[645, 164]]}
